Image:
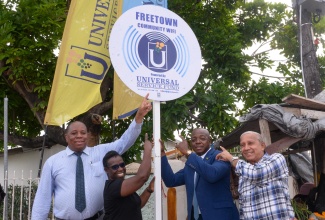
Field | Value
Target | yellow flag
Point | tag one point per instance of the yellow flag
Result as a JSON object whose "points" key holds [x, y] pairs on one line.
{"points": [[126, 102], [83, 59]]}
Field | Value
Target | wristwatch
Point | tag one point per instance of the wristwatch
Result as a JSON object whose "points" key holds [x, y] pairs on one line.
{"points": [[234, 158], [188, 152]]}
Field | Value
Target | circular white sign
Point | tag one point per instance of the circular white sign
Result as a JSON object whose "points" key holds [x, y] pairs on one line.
{"points": [[154, 51]]}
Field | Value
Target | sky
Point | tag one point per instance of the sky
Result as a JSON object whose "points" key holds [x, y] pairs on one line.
{"points": [[288, 2]]}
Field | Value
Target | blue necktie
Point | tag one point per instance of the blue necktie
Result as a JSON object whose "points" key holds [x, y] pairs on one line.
{"points": [[195, 204], [80, 198]]}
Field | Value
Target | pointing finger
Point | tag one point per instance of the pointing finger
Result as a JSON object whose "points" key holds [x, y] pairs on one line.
{"points": [[146, 137]]}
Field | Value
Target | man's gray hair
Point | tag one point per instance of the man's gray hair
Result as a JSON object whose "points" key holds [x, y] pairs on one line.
{"points": [[258, 135]]}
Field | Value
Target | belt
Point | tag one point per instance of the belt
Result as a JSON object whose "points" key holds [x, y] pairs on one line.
{"points": [[94, 217]]}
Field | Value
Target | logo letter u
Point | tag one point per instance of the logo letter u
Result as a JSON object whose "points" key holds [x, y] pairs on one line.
{"points": [[163, 59], [92, 75]]}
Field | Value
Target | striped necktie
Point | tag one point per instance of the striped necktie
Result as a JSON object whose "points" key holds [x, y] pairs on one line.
{"points": [[80, 198]]}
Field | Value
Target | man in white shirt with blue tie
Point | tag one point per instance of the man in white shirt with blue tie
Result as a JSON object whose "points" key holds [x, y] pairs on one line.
{"points": [[58, 178]]}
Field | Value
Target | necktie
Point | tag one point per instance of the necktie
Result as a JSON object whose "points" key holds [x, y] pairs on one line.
{"points": [[80, 199], [195, 204]]}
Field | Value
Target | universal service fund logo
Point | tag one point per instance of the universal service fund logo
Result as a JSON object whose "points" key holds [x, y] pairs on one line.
{"points": [[86, 64]]}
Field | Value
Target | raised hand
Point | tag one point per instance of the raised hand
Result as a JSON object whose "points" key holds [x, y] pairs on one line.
{"points": [[162, 148], [224, 155], [182, 146], [147, 143], [152, 184], [143, 110]]}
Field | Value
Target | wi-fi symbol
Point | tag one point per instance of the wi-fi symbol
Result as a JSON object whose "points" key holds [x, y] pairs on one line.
{"points": [[157, 36], [130, 42], [183, 55]]}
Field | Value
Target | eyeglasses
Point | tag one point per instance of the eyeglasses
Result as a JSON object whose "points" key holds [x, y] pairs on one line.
{"points": [[116, 166]]}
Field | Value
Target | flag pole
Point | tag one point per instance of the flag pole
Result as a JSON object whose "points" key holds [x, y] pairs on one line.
{"points": [[42, 153], [157, 159]]}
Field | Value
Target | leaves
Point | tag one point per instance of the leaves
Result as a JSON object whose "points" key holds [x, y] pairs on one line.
{"points": [[300, 209]]}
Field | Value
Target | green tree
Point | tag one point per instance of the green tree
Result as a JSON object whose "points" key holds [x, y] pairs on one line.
{"points": [[30, 32]]}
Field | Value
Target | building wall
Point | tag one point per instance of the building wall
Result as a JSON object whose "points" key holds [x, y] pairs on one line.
{"points": [[25, 164]]}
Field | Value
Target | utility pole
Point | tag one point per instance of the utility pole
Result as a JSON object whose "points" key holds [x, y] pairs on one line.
{"points": [[309, 11], [309, 62]]}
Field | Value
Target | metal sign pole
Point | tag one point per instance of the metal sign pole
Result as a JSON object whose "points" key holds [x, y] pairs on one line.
{"points": [[157, 159]]}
